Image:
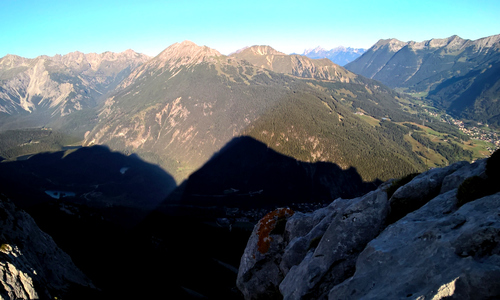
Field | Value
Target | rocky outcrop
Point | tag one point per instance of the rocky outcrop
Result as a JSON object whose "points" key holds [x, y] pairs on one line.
{"points": [[362, 248], [32, 266], [259, 274], [432, 254]]}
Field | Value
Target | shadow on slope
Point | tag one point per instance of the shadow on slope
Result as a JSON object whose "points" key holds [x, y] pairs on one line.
{"points": [[191, 245], [93, 176], [199, 233], [102, 196], [246, 174]]}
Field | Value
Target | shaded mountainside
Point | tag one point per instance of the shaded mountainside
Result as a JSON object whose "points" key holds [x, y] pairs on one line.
{"points": [[431, 235], [90, 200], [22, 142], [197, 235], [458, 75], [246, 174], [184, 105], [47, 88], [339, 55], [90, 176], [216, 206], [99, 203]]}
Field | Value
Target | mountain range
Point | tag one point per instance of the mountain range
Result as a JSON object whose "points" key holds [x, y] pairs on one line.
{"points": [[185, 104], [45, 90], [182, 106], [167, 163], [339, 55], [455, 74]]}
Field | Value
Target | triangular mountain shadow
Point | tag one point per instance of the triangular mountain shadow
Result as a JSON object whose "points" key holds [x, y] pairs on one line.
{"points": [[247, 174], [92, 176], [200, 231]]}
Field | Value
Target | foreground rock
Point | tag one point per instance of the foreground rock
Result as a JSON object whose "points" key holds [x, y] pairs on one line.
{"points": [[430, 254], [31, 264], [417, 244]]}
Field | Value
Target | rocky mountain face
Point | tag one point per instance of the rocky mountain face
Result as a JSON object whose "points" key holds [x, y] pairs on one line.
{"points": [[32, 266], [297, 65], [458, 75], [53, 87], [184, 105], [431, 236], [339, 55]]}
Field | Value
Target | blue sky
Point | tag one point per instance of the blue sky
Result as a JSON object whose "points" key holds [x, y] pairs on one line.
{"points": [[34, 27]]}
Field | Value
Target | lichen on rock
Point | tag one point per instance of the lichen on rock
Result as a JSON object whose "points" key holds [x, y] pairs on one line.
{"points": [[273, 222]]}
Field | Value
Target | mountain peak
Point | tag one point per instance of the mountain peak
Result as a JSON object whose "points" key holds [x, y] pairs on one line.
{"points": [[315, 50], [187, 53], [394, 45], [188, 43], [263, 50], [12, 61], [340, 55]]}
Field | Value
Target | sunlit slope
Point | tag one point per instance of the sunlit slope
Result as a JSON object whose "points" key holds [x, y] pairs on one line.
{"points": [[188, 102]]}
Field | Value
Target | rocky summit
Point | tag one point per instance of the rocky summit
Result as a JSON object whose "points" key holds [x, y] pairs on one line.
{"points": [[430, 236], [296, 65]]}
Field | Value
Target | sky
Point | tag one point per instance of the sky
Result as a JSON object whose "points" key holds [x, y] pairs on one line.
{"points": [[30, 28]]}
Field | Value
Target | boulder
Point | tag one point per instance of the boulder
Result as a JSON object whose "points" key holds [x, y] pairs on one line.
{"points": [[420, 190], [431, 254], [355, 222], [454, 180]]}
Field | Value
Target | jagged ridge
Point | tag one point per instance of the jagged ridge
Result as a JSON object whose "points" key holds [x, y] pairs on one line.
{"points": [[297, 65], [458, 75], [61, 84]]}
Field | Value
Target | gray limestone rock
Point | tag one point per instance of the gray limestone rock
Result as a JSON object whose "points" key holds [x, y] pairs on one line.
{"points": [[454, 180], [352, 249], [352, 227], [420, 190], [317, 223], [432, 254], [32, 266]]}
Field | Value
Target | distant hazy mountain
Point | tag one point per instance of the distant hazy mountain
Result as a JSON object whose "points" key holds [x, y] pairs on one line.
{"points": [[339, 55], [462, 76], [184, 105], [53, 87]]}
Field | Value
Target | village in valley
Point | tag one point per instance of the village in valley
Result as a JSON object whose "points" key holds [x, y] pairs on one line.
{"points": [[479, 132], [476, 131]]}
